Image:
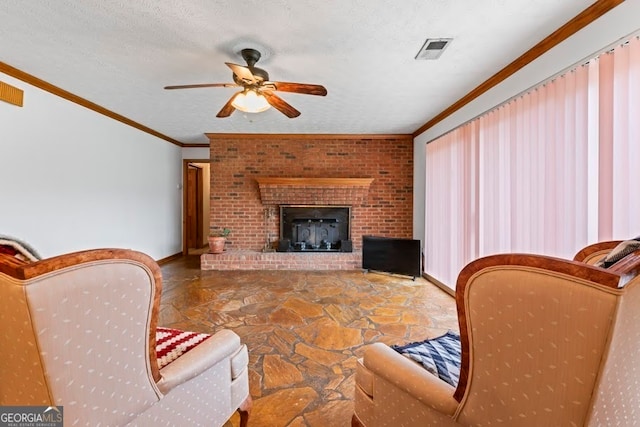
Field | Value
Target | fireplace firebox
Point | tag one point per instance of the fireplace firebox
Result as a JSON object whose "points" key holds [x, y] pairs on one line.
{"points": [[314, 228]]}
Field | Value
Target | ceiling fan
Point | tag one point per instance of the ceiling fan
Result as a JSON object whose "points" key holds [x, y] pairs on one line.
{"points": [[257, 90]]}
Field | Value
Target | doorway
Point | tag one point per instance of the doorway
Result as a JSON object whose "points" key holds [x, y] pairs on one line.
{"points": [[195, 206]]}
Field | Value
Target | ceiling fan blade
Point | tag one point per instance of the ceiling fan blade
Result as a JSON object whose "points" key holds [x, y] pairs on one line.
{"points": [[280, 104], [305, 88], [228, 108], [202, 85], [243, 73]]}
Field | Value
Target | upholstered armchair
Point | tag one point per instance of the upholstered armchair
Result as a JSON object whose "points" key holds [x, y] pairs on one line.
{"points": [[79, 330], [545, 342]]}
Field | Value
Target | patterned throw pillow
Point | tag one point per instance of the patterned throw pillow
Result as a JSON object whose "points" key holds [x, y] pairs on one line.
{"points": [[17, 248], [441, 356], [622, 250], [173, 343]]}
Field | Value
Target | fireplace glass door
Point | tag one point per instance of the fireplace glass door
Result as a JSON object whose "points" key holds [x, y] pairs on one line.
{"points": [[314, 228]]}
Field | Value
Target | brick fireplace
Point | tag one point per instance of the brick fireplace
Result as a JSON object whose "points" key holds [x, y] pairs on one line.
{"points": [[254, 176]]}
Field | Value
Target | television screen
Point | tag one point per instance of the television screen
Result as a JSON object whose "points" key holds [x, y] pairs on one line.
{"points": [[400, 256]]}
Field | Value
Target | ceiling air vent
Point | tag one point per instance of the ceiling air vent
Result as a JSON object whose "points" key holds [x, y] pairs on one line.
{"points": [[433, 48]]}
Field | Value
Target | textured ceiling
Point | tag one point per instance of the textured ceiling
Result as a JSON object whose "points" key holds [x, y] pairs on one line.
{"points": [[120, 55]]}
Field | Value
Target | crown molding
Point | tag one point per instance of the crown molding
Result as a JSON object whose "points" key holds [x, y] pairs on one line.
{"points": [[578, 22], [55, 90]]}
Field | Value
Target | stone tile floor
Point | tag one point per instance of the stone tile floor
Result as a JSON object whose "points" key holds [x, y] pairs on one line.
{"points": [[305, 330]]}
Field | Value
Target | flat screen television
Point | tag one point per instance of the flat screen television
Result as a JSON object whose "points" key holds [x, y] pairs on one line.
{"points": [[387, 254]]}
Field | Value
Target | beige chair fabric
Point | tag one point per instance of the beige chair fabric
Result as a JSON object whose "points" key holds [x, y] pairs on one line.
{"points": [[79, 331], [545, 342]]}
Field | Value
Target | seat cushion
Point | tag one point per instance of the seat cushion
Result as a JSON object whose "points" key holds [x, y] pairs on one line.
{"points": [[441, 356], [173, 343], [239, 362], [364, 378]]}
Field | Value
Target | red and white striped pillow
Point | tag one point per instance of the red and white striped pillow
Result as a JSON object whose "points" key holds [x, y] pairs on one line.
{"points": [[173, 343]]}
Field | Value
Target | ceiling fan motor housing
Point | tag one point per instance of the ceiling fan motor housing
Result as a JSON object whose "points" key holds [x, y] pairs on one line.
{"points": [[251, 56], [259, 74]]}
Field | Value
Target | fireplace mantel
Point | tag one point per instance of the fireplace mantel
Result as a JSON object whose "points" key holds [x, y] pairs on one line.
{"points": [[316, 182], [314, 191]]}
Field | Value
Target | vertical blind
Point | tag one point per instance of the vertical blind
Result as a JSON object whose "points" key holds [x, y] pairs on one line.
{"points": [[547, 172]]}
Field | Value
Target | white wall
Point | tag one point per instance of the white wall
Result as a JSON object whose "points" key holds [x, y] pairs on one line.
{"points": [[618, 23], [73, 179], [193, 153]]}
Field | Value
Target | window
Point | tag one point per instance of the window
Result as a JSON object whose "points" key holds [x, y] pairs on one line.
{"points": [[548, 172]]}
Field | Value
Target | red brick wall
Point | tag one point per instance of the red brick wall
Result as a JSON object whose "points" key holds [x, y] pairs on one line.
{"points": [[236, 162]]}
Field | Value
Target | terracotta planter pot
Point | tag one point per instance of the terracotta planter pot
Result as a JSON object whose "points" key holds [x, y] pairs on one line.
{"points": [[216, 244]]}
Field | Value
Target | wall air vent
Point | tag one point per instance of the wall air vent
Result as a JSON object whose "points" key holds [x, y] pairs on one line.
{"points": [[433, 48], [11, 94]]}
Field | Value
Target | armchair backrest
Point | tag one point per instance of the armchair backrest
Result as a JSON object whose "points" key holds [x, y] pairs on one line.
{"points": [[79, 330], [540, 336]]}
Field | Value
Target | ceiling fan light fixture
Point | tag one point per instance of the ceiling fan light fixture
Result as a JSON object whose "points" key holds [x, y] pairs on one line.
{"points": [[249, 101]]}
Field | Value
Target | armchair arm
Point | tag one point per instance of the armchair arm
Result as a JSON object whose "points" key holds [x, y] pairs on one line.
{"points": [[10, 265], [410, 377], [593, 253], [211, 351]]}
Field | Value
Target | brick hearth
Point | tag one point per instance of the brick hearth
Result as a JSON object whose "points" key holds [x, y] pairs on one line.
{"points": [[252, 260]]}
